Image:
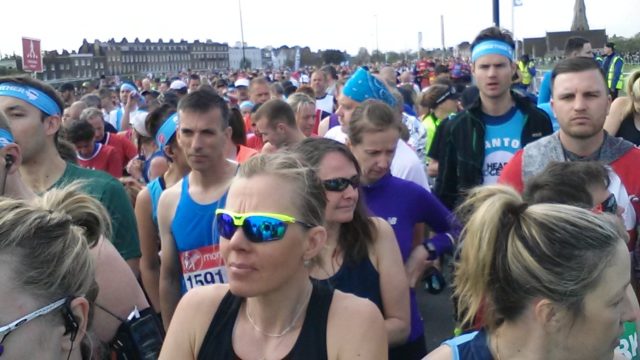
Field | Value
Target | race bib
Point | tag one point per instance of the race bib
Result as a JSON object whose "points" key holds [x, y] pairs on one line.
{"points": [[202, 266]]}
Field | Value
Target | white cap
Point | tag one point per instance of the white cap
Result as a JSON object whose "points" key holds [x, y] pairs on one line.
{"points": [[138, 122], [304, 78], [178, 85], [241, 82]]}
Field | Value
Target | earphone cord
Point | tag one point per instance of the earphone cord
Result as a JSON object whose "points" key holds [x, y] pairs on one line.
{"points": [[4, 181], [70, 350]]}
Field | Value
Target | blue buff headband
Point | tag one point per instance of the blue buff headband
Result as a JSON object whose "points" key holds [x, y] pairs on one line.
{"points": [[363, 86], [492, 47], [5, 138], [167, 130], [32, 96]]}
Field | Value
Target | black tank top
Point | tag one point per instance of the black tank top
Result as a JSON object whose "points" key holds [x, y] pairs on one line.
{"points": [[310, 345], [629, 131]]}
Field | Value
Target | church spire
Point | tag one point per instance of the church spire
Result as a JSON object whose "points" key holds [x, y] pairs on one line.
{"points": [[580, 22]]}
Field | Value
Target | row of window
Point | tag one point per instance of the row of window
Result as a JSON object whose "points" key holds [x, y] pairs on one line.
{"points": [[166, 48], [67, 66]]}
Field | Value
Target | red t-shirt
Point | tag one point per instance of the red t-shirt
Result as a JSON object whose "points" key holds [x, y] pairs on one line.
{"points": [[122, 145], [255, 142], [104, 158]]}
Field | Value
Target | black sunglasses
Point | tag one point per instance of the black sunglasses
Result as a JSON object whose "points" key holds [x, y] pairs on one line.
{"points": [[339, 184]]}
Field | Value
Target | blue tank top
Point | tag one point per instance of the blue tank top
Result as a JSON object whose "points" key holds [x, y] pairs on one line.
{"points": [[147, 165], [360, 279], [470, 346], [333, 121], [197, 241], [156, 187]]}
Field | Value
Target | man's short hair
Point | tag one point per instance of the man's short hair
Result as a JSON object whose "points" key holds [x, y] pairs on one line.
{"points": [[258, 81], [610, 45], [276, 111], [79, 130], [194, 77], [566, 182], [494, 33], [67, 87], [576, 64], [89, 113], [105, 92], [330, 71], [92, 100], [202, 101], [574, 44]]}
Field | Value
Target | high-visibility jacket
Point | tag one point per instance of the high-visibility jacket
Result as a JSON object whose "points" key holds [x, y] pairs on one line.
{"points": [[524, 71], [611, 73]]}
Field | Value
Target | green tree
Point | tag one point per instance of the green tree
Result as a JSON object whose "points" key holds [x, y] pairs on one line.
{"points": [[332, 56]]}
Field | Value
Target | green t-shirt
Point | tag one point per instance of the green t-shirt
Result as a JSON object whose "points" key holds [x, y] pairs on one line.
{"points": [[629, 342], [114, 198]]}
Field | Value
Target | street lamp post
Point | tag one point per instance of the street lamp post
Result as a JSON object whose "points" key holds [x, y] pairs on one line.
{"points": [[244, 61]]}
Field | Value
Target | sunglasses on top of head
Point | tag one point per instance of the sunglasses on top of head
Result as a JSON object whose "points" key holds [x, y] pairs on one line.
{"points": [[340, 184], [257, 227], [609, 205]]}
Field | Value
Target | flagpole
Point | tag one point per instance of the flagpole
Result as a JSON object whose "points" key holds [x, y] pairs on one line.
{"points": [[513, 24]]}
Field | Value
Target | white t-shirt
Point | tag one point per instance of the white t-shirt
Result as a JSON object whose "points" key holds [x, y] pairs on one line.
{"points": [[325, 104]]}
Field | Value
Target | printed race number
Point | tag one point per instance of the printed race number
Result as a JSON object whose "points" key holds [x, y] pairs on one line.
{"points": [[202, 266]]}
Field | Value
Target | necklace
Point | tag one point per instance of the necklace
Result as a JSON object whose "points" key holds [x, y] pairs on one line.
{"points": [[287, 329], [497, 347]]}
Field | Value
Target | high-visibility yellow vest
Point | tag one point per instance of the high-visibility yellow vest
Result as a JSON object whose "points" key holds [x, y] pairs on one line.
{"points": [[430, 122], [524, 71], [612, 68]]}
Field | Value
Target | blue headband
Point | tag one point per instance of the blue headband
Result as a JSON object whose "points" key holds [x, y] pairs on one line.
{"points": [[364, 86], [5, 138], [31, 96], [167, 130], [492, 47]]}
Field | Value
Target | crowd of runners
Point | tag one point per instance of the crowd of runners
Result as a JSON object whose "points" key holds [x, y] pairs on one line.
{"points": [[294, 214]]}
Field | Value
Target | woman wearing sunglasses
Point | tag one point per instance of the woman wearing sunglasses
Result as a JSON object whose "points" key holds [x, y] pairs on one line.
{"points": [[47, 275], [361, 256], [374, 131], [270, 238]]}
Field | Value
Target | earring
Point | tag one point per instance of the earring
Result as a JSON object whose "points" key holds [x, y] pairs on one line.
{"points": [[306, 263]]}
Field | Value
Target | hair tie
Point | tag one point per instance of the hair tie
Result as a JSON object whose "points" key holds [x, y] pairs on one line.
{"points": [[517, 210]]}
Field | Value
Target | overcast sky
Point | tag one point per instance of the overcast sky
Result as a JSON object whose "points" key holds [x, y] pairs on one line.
{"points": [[322, 24]]}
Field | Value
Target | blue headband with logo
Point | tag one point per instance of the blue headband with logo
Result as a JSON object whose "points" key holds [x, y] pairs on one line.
{"points": [[363, 86], [31, 96], [492, 47], [5, 138], [167, 131]]}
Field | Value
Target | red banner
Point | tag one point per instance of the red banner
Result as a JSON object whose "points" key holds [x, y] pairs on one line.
{"points": [[31, 56]]}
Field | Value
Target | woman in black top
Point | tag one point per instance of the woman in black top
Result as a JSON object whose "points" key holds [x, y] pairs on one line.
{"points": [[269, 238], [624, 116]]}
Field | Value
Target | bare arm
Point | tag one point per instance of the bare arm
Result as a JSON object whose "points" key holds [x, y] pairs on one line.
{"points": [[149, 240], [355, 329], [616, 115], [323, 127], [115, 279], [191, 322], [159, 165], [169, 265], [443, 352], [394, 286]]}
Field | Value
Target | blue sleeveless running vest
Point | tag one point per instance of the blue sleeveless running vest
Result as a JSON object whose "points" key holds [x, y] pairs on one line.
{"points": [[197, 241], [470, 346]]}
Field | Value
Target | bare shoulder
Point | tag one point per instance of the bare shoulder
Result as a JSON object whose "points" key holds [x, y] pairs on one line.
{"points": [[382, 227], [195, 312], [143, 196], [620, 102], [443, 352], [355, 329], [171, 194]]}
